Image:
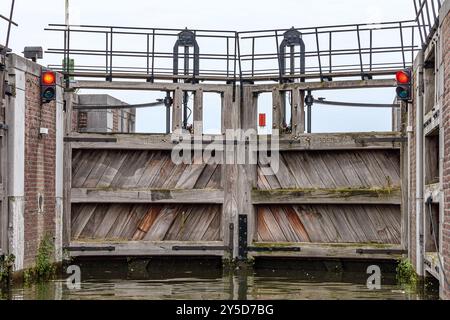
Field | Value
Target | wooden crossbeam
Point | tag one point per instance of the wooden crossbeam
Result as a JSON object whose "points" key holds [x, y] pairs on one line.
{"points": [[82, 195], [317, 141], [148, 248], [327, 196], [325, 250]]}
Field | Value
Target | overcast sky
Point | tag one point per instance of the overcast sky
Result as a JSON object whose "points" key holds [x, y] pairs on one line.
{"points": [[34, 16]]}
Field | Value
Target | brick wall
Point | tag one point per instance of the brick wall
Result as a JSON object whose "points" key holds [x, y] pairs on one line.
{"points": [[115, 120], [82, 120], [445, 34], [39, 169]]}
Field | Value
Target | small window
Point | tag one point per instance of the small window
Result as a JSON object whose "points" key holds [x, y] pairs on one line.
{"points": [[265, 107], [212, 113]]}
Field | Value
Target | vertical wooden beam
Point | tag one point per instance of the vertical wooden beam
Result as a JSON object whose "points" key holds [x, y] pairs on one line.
{"points": [[69, 98], [249, 114], [198, 111], [230, 110], [276, 110], [298, 113], [177, 112], [230, 173]]}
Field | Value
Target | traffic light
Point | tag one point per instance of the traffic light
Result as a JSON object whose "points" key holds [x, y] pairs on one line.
{"points": [[48, 86], [403, 84]]}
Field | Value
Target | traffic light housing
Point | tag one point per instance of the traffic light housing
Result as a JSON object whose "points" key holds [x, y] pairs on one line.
{"points": [[48, 86], [404, 82]]}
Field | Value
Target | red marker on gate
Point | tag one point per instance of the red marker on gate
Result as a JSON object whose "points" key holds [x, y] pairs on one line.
{"points": [[262, 119]]}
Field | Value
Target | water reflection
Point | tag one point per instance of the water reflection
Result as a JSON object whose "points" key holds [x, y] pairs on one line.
{"points": [[156, 279]]}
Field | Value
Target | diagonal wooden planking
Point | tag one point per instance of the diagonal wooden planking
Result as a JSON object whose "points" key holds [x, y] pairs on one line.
{"points": [[334, 169], [107, 222], [329, 224], [139, 169]]}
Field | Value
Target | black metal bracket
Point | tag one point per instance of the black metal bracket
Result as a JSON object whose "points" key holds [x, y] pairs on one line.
{"points": [[243, 233], [90, 249], [274, 249], [85, 139], [3, 126], [381, 251], [292, 38], [186, 39], [200, 248], [231, 240]]}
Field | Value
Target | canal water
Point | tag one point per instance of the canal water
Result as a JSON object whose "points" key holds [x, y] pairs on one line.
{"points": [[206, 279]]}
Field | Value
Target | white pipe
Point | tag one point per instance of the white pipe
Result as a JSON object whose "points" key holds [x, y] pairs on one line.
{"points": [[419, 166], [408, 210], [67, 14]]}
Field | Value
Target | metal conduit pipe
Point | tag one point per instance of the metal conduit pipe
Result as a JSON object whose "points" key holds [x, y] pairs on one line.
{"points": [[420, 250]]}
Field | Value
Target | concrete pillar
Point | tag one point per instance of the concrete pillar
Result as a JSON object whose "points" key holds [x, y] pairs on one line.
{"points": [[15, 118], [59, 172]]}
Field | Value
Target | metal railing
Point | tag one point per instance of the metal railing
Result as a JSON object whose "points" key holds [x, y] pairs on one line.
{"points": [[284, 55], [427, 18], [10, 22]]}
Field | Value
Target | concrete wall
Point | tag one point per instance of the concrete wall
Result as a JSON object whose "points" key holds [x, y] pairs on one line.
{"points": [[34, 163], [112, 120]]}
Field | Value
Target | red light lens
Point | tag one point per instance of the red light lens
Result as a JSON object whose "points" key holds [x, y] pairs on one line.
{"points": [[48, 78], [402, 77]]}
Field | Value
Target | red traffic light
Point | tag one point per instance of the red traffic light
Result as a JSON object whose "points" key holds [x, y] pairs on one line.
{"points": [[48, 78], [403, 77]]}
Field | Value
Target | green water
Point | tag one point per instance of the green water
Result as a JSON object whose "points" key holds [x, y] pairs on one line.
{"points": [[152, 280]]}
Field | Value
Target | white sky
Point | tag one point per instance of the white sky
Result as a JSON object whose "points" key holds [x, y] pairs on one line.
{"points": [[34, 15]]}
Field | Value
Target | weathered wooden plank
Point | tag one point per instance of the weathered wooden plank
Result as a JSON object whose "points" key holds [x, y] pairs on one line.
{"points": [[162, 224], [277, 112], [98, 171], [177, 110], [327, 196], [298, 112], [190, 176], [146, 248], [80, 220], [69, 98], [134, 218], [113, 168], [147, 222], [315, 141], [147, 86], [150, 169], [326, 85], [198, 111], [84, 195], [344, 251], [94, 223]]}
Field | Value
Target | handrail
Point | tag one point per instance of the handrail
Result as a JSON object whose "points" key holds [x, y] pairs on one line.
{"points": [[233, 56]]}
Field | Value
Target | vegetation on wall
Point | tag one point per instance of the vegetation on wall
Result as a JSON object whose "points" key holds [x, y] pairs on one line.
{"points": [[6, 264], [406, 275], [44, 267]]}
